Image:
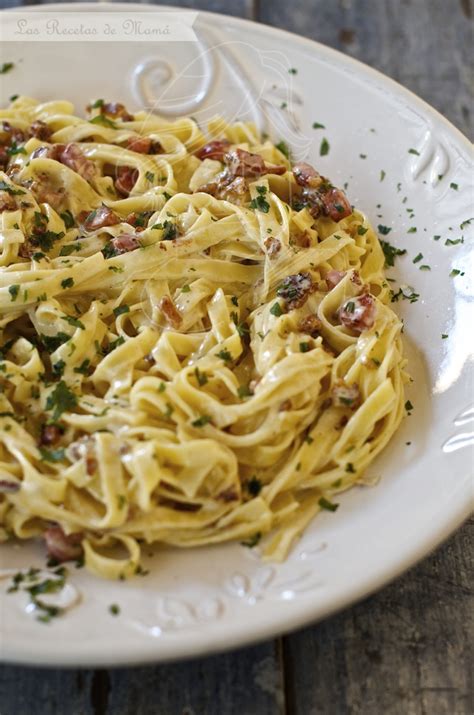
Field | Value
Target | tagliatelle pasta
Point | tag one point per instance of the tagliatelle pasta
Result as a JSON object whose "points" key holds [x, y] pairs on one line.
{"points": [[197, 343]]}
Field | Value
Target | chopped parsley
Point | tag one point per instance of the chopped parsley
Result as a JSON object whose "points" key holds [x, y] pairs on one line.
{"points": [[13, 290], [453, 186], [408, 406], [252, 540], [414, 151], [114, 609], [244, 391], [305, 347], [350, 468], [103, 121], [120, 310], [390, 253], [62, 399], [284, 148], [405, 293], [292, 70], [382, 175], [201, 377], [68, 219], [363, 156], [276, 310], [10, 189], [328, 505], [317, 125], [58, 368], [412, 229], [83, 368], [53, 342], [185, 289], [384, 230], [201, 421], [70, 248], [73, 321], [453, 241], [324, 147], [444, 336], [260, 202], [51, 455], [67, 283], [456, 272], [224, 355], [418, 258], [6, 67], [15, 149], [149, 176], [361, 230], [465, 223], [170, 231]]}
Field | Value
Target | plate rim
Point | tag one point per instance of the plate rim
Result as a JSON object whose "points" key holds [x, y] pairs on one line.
{"points": [[307, 613]]}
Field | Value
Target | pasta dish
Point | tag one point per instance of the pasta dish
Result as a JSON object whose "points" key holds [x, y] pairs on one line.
{"points": [[196, 345]]}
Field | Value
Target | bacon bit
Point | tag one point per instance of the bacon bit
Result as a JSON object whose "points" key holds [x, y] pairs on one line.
{"points": [[40, 130], [345, 395], [15, 134], [273, 246], [355, 278], [244, 163], [91, 466], [285, 406], [303, 240], [141, 145], [70, 155], [50, 434], [124, 243], [117, 110], [137, 218], [62, 547], [7, 202], [228, 495], [7, 487], [4, 157], [333, 278], [126, 179], [310, 325], [336, 205], [73, 157], [296, 289], [307, 176], [215, 149], [358, 313], [103, 216], [171, 313], [48, 152]]}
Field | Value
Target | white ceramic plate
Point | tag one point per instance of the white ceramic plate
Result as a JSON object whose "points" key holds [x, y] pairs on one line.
{"points": [[199, 601]]}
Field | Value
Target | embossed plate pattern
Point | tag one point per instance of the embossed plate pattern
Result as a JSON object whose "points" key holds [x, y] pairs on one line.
{"points": [[387, 145]]}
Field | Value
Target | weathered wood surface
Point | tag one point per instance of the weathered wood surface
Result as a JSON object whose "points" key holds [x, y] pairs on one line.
{"points": [[408, 649]]}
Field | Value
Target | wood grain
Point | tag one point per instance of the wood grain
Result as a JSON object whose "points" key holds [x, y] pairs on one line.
{"points": [[408, 649], [424, 44]]}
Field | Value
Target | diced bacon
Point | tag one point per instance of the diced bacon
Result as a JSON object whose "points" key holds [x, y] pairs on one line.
{"points": [[306, 175], [296, 289], [40, 130], [7, 202], [49, 152], [126, 178], [124, 243], [336, 205], [45, 193], [117, 110], [228, 495], [345, 395], [7, 487], [61, 547], [273, 246], [70, 155], [50, 434], [333, 278], [171, 313], [215, 149], [244, 163], [4, 157], [73, 157], [99, 218], [311, 325], [141, 145], [14, 133], [358, 313]]}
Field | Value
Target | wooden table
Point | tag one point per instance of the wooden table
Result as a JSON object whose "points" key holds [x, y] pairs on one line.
{"points": [[408, 649]]}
